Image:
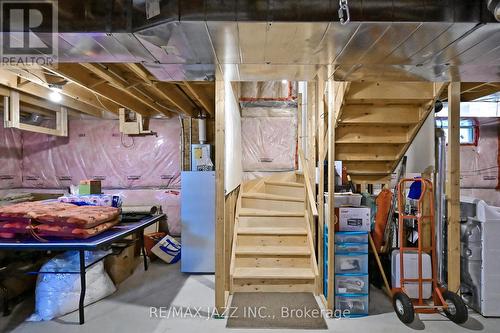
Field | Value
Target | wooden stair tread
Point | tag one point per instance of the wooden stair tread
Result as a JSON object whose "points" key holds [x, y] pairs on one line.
{"points": [[291, 184], [273, 273], [271, 231], [265, 212], [273, 250], [267, 196]]}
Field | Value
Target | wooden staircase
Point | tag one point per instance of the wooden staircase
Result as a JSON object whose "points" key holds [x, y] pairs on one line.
{"points": [[272, 244], [376, 123]]}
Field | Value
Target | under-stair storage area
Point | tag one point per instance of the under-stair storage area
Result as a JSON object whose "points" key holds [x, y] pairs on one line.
{"points": [[240, 166]]}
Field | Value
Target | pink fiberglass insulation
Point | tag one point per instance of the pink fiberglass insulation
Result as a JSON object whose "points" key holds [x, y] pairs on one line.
{"points": [[268, 143], [479, 163], [96, 149], [10, 157]]}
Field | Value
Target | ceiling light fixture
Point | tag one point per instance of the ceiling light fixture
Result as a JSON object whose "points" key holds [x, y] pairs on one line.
{"points": [[55, 94]]}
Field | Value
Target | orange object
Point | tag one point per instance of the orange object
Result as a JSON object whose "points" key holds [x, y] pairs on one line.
{"points": [[383, 201], [150, 240], [442, 300]]}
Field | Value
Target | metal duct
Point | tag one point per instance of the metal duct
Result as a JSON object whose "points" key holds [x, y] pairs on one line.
{"points": [[129, 16], [293, 40], [32, 119]]}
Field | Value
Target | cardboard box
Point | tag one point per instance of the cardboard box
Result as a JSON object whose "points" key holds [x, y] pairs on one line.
{"points": [[123, 265], [354, 218], [89, 187]]}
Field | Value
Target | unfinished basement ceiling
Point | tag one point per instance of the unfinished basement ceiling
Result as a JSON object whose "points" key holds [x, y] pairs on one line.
{"points": [[294, 40], [402, 51], [271, 40], [94, 88]]}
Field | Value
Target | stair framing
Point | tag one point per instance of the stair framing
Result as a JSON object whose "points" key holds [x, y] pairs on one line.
{"points": [[272, 244], [376, 123]]}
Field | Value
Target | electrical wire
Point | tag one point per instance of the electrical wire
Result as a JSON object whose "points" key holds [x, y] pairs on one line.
{"points": [[99, 100], [124, 145]]}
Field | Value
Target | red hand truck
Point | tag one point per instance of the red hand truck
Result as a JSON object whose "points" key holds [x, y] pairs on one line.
{"points": [[442, 299]]}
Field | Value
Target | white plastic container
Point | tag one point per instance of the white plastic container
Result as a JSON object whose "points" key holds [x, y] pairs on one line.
{"points": [[343, 199], [351, 263], [355, 304], [351, 247], [351, 237], [410, 265], [351, 284]]}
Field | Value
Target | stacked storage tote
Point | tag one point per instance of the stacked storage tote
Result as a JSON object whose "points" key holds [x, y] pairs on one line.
{"points": [[351, 273]]}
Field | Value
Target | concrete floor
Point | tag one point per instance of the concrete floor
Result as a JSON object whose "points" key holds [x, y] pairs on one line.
{"points": [[128, 310]]}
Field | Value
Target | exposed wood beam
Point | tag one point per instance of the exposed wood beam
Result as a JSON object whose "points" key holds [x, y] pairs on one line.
{"points": [[123, 85], [176, 97], [220, 262], [320, 106], [83, 104], [204, 100], [165, 90], [471, 91], [453, 186], [75, 74], [331, 198]]}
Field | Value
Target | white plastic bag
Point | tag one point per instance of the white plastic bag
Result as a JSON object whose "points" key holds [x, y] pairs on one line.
{"points": [[58, 294]]}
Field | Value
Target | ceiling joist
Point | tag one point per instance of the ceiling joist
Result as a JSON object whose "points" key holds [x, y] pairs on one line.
{"points": [[39, 95], [108, 87], [166, 91]]}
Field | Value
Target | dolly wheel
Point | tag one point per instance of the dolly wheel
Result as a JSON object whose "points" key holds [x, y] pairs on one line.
{"points": [[457, 311], [404, 308]]}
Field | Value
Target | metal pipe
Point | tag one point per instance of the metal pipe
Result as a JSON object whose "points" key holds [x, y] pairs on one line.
{"points": [[202, 130], [440, 203]]}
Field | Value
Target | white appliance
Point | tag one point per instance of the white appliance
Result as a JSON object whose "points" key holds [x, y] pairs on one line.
{"points": [[480, 250], [198, 222], [410, 265]]}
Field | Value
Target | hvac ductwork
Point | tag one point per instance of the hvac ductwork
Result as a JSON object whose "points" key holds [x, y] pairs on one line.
{"points": [[129, 16]]}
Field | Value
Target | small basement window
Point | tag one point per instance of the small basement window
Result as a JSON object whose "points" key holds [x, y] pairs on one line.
{"points": [[469, 131]]}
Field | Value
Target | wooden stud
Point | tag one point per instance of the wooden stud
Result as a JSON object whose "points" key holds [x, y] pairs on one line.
{"points": [[321, 166], [300, 134], [453, 186], [331, 198], [220, 260], [311, 139]]}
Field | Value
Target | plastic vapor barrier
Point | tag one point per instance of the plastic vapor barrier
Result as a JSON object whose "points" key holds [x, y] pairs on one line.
{"points": [[479, 164], [10, 157], [96, 149], [269, 138], [168, 199]]}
